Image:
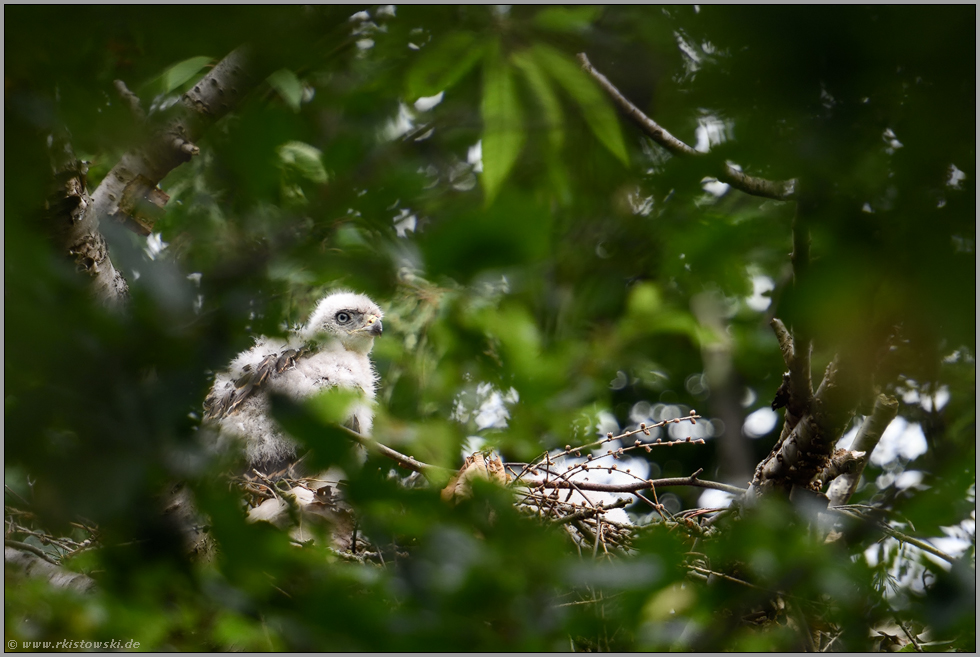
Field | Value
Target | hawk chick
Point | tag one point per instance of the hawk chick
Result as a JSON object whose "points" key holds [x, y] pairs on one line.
{"points": [[331, 350]]}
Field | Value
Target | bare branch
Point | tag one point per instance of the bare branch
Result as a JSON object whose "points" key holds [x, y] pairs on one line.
{"points": [[409, 462], [415, 465], [588, 513], [779, 190], [782, 190], [648, 125], [634, 486]]}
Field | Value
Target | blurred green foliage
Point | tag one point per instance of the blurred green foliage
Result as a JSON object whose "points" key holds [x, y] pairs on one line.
{"points": [[519, 233]]}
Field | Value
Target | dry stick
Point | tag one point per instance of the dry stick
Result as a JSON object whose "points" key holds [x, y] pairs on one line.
{"points": [[915, 643], [8, 489], [885, 410], [826, 648], [642, 485], [659, 507], [426, 469], [268, 484], [644, 429], [780, 190]]}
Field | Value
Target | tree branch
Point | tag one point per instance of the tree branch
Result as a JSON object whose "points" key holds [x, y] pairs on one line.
{"points": [[409, 462], [894, 533], [133, 179], [174, 144], [415, 465], [804, 452], [632, 487], [70, 223], [885, 410], [798, 363], [800, 259], [781, 190], [589, 512], [35, 566], [131, 99]]}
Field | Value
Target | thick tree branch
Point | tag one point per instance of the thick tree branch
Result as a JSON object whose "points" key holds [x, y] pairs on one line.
{"points": [[35, 566], [129, 189], [69, 222], [782, 190], [173, 144], [885, 410], [804, 452], [843, 462]]}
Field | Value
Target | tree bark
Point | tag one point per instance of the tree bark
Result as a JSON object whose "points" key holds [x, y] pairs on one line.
{"points": [[131, 183]]}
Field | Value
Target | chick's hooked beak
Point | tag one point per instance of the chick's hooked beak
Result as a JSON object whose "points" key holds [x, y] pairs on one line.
{"points": [[372, 326]]}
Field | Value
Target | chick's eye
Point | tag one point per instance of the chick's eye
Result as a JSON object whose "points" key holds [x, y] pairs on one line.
{"points": [[343, 317]]}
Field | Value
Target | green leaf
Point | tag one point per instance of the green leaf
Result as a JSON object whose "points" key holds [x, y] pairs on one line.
{"points": [[567, 19], [333, 406], [301, 159], [596, 108], [545, 93], [443, 64], [183, 71], [316, 423], [289, 87], [503, 129]]}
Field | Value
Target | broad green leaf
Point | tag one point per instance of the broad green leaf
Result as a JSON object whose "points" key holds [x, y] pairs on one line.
{"points": [[443, 64], [289, 87], [333, 406], [183, 71], [503, 130], [550, 105], [596, 108], [567, 19], [560, 182], [302, 159]]}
